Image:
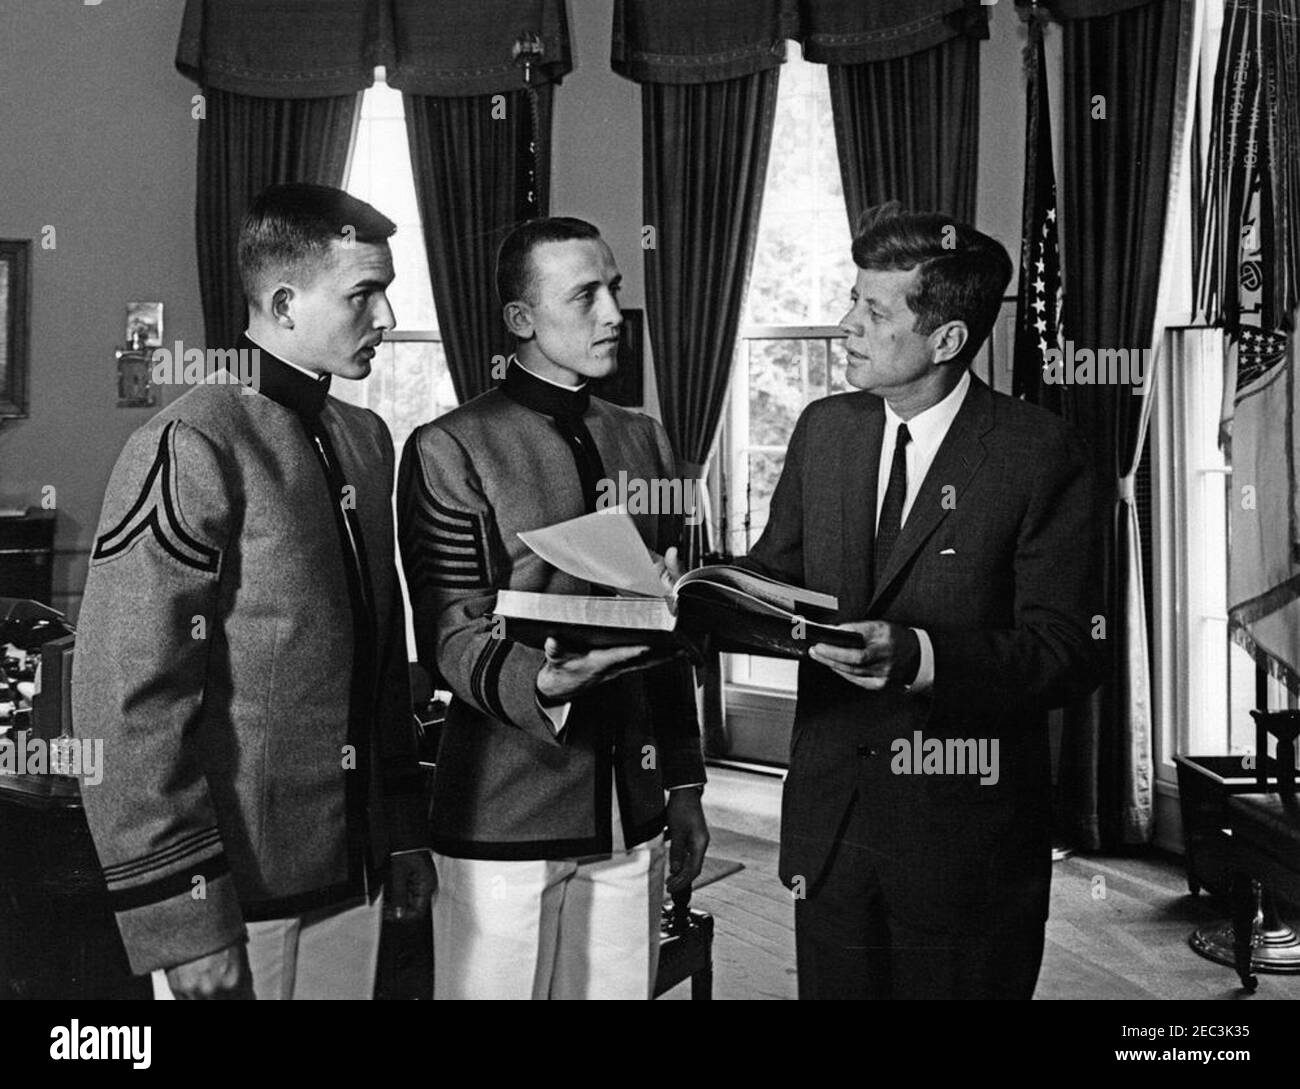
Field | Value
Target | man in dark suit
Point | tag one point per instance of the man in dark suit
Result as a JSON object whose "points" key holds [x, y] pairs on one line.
{"points": [[957, 527]]}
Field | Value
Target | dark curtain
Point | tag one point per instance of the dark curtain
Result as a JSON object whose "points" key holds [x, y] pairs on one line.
{"points": [[705, 162], [468, 169], [907, 129], [282, 80], [246, 144], [904, 76], [1115, 183]]}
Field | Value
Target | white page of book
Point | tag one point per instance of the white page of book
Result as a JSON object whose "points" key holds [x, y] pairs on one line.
{"points": [[603, 548], [610, 612]]}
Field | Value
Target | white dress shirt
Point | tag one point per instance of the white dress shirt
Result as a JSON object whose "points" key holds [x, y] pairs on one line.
{"points": [[927, 429]]}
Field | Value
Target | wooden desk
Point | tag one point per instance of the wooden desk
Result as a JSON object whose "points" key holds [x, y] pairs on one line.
{"points": [[58, 938]]}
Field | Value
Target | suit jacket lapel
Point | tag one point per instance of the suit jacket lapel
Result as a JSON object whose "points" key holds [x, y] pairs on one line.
{"points": [[859, 459], [958, 457]]}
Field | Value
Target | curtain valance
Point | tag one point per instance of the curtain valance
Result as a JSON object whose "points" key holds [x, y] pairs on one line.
{"points": [[703, 41], [315, 48]]}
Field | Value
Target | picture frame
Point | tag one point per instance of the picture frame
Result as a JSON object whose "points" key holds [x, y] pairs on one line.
{"points": [[626, 386], [15, 325]]}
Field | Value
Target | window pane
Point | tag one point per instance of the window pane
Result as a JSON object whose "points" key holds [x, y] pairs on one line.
{"points": [[776, 390], [381, 175], [409, 384], [839, 368], [803, 269], [764, 471]]}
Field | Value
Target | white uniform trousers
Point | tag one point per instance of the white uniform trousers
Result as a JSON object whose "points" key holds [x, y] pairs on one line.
{"points": [[549, 928], [330, 953]]}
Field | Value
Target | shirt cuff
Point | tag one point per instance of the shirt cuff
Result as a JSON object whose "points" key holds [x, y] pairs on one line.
{"points": [[925, 673], [557, 715]]}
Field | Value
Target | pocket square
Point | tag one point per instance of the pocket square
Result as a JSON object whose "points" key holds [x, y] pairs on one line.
{"points": [[948, 552]]}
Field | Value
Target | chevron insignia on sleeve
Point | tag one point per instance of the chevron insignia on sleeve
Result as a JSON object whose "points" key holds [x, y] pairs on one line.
{"points": [[444, 547], [154, 511], [486, 677], [169, 871]]}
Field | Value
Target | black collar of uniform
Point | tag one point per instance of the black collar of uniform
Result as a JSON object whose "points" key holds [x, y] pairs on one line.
{"points": [[527, 389], [287, 385]]}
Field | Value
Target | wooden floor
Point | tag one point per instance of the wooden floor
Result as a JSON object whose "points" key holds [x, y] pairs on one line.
{"points": [[1118, 926]]}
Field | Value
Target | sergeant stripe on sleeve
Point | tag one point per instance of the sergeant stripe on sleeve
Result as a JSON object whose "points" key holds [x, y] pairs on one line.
{"points": [[176, 884], [192, 844], [155, 511], [443, 547], [486, 675]]}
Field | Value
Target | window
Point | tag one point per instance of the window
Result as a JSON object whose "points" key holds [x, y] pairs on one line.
{"points": [[1206, 682], [788, 352], [409, 383]]}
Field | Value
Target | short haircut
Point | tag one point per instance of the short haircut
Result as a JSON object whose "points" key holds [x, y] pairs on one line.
{"points": [[290, 227], [964, 272], [516, 275]]}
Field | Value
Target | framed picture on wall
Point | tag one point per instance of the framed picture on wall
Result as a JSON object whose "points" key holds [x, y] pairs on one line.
{"points": [[626, 386], [15, 315]]}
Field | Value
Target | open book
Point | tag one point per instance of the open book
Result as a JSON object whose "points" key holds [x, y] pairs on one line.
{"points": [[735, 609]]}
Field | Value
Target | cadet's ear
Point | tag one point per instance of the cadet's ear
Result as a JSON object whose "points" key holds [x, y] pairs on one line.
{"points": [[282, 306], [519, 319]]}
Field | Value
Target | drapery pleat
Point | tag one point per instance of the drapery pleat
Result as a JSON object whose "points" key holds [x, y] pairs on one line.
{"points": [[705, 162], [469, 155], [1118, 156], [907, 129], [245, 144]]}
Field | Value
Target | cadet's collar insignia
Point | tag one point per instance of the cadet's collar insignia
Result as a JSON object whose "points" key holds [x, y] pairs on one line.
{"points": [[545, 397], [288, 385]]}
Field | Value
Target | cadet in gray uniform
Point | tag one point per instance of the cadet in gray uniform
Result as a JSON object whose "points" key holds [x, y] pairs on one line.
{"points": [[539, 896], [241, 646]]}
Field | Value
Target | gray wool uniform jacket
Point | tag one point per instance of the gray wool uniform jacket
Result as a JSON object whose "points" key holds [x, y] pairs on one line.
{"points": [[508, 785], [255, 766]]}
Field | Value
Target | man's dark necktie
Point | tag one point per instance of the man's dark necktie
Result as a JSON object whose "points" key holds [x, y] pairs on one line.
{"points": [[891, 511]]}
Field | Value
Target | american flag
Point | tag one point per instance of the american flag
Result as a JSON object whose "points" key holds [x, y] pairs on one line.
{"points": [[1038, 307]]}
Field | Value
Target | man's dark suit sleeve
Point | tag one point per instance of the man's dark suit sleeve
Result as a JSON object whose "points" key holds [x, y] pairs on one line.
{"points": [[1049, 656], [779, 551]]}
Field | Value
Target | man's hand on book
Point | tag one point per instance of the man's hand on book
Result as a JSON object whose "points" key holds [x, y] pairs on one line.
{"points": [[669, 567], [892, 654], [571, 669]]}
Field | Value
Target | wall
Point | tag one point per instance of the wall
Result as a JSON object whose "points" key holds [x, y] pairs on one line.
{"points": [[596, 166], [98, 142]]}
